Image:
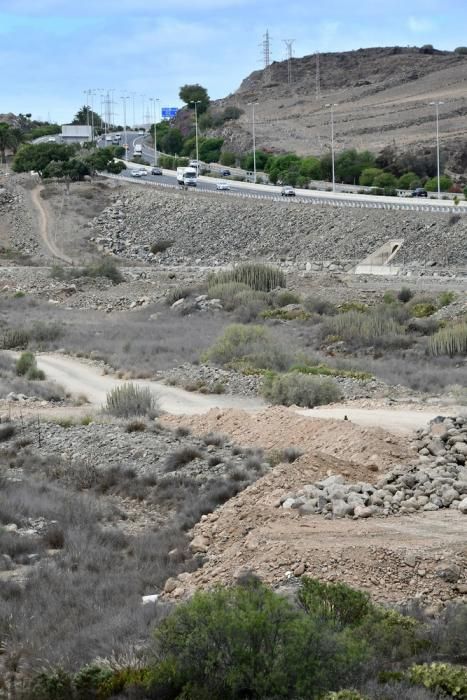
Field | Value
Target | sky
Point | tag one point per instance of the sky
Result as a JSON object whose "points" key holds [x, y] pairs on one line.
{"points": [[55, 50]]}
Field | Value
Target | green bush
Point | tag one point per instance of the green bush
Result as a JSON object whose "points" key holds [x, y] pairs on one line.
{"points": [[286, 297], [105, 268], [248, 642], [422, 310], [319, 306], [325, 370], [248, 345], [345, 695], [451, 340], [300, 390], [446, 298], [368, 176], [52, 685], [287, 314], [444, 678], [15, 338], [445, 183], [405, 295], [263, 278], [25, 362], [130, 400], [176, 294], [90, 680], [373, 327], [334, 602], [35, 374]]}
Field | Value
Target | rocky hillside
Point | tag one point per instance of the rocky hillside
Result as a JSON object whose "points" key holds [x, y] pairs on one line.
{"points": [[207, 230], [382, 97]]}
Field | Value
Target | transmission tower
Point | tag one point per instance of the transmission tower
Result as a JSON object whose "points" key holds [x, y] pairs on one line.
{"points": [[266, 46], [318, 78], [289, 46]]}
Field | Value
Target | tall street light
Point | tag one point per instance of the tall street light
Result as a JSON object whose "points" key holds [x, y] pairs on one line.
{"points": [[124, 99], [253, 105], [334, 104], [154, 104], [436, 105], [196, 103]]}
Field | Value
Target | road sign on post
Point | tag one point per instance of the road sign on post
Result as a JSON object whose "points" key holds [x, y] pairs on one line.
{"points": [[169, 112]]}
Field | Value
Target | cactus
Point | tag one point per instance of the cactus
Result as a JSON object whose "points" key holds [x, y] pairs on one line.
{"points": [[451, 341]]}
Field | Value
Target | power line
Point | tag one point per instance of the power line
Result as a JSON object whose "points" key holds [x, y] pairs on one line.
{"points": [[289, 46]]}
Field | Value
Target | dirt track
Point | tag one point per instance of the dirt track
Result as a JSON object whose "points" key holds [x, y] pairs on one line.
{"points": [[82, 378], [44, 228]]}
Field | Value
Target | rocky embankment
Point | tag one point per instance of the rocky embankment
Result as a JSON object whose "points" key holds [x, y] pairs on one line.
{"points": [[437, 480], [213, 230]]}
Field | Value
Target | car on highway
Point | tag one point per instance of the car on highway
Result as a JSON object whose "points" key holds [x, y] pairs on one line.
{"points": [[156, 171], [287, 191], [419, 192], [225, 173], [140, 172], [222, 186]]}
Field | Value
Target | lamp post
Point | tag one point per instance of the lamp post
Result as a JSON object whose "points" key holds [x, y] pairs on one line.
{"points": [[436, 105], [253, 105], [332, 105], [154, 105], [195, 103], [124, 99]]}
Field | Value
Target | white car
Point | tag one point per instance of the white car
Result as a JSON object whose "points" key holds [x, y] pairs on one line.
{"points": [[139, 173], [222, 186]]}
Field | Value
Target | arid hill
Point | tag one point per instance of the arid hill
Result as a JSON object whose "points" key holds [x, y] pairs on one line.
{"points": [[382, 98]]}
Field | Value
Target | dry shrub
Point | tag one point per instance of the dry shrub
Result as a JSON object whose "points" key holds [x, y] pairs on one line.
{"points": [[131, 400]]}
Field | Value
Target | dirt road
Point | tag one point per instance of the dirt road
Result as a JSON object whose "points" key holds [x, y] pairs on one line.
{"points": [[79, 377], [44, 230], [82, 378]]}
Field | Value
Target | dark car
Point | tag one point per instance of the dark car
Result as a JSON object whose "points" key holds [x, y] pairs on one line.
{"points": [[225, 173], [156, 171], [419, 192]]}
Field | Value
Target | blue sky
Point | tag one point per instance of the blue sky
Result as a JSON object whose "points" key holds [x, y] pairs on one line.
{"points": [[53, 50]]}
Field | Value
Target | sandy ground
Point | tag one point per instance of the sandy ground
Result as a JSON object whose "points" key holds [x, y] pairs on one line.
{"points": [[394, 559]]}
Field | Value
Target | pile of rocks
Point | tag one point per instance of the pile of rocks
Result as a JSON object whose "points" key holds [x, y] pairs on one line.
{"points": [[437, 480], [209, 230], [208, 379]]}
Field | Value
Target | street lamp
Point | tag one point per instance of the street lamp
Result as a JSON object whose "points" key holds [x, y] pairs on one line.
{"points": [[195, 103], [332, 105], [436, 105], [253, 104], [124, 99], [154, 104]]}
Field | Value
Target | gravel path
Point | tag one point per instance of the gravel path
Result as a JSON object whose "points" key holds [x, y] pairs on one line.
{"points": [[44, 227]]}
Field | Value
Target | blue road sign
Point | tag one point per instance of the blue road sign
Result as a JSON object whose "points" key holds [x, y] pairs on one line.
{"points": [[169, 112]]}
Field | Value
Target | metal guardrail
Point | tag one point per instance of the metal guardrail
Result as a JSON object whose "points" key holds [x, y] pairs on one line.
{"points": [[311, 199]]}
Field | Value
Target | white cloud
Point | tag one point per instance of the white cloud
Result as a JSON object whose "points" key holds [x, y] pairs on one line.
{"points": [[419, 25]]}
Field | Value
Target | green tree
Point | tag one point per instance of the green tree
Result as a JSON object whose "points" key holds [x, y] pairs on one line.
{"points": [[172, 142], [10, 138], [38, 156], [262, 159], [228, 158], [351, 163], [385, 180], [210, 149], [310, 168], [408, 181], [368, 176], [432, 184], [195, 93], [84, 116]]}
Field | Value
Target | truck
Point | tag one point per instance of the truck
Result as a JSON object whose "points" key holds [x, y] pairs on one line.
{"points": [[186, 176], [138, 149]]}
